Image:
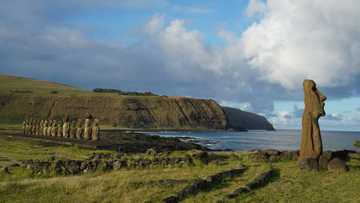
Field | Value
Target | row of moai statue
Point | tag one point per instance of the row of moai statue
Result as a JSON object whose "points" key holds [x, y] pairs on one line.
{"points": [[86, 129]]}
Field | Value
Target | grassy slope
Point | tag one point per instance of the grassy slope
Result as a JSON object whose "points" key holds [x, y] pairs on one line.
{"points": [[140, 185], [11, 84], [23, 86]]}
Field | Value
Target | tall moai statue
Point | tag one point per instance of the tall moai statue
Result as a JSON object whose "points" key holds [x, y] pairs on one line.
{"points": [[41, 127], [54, 128], [48, 130], [66, 127], [31, 127], [24, 125], [37, 127], [79, 130], [59, 132], [46, 123], [87, 127], [311, 143], [72, 131], [95, 130]]}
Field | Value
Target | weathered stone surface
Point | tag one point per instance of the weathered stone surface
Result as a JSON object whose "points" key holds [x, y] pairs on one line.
{"points": [[72, 131], [46, 123], [66, 127], [324, 160], [311, 143], [59, 129], [337, 164], [309, 164], [95, 130], [275, 155], [87, 129], [260, 181], [79, 130], [203, 184]]}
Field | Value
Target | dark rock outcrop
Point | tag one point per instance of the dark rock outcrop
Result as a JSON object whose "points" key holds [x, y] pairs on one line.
{"points": [[310, 164], [242, 120], [337, 164], [203, 184], [258, 182], [273, 155]]}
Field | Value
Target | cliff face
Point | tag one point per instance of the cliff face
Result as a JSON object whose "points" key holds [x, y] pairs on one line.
{"points": [[242, 120], [123, 111], [23, 97]]}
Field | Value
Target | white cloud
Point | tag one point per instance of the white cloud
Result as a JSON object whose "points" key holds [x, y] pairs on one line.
{"points": [[254, 7], [305, 39], [155, 24]]}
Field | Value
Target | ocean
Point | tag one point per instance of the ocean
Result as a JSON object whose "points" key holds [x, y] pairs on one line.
{"points": [[279, 139]]}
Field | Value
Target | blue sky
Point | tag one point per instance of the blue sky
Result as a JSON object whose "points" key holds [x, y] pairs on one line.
{"points": [[251, 54]]}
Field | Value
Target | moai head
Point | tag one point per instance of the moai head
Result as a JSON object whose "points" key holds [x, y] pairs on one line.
{"points": [[73, 124], [66, 119], [79, 123], [54, 123], [96, 122], [314, 99], [88, 116]]}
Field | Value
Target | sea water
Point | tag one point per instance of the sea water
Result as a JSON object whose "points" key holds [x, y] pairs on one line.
{"points": [[279, 139]]}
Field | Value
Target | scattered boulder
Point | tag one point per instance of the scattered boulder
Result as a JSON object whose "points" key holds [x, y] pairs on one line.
{"points": [[324, 160], [337, 164], [309, 164], [273, 155]]}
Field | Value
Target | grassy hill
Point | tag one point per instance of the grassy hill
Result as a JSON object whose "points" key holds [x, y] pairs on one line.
{"points": [[21, 85]]}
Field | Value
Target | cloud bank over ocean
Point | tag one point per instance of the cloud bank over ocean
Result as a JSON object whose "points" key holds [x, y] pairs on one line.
{"points": [[285, 42]]}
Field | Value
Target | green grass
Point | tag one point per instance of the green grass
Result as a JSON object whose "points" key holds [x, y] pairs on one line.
{"points": [[155, 183], [28, 86], [12, 149], [21, 85]]}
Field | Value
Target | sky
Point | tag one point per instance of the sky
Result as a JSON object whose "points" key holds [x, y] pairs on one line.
{"points": [[249, 54]]}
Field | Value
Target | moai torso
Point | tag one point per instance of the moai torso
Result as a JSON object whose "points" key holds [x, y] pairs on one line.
{"points": [[72, 130], [59, 129], [35, 127], [66, 128], [41, 127], [53, 129], [48, 130], [95, 130], [79, 130], [24, 127], [87, 129], [38, 128], [46, 123], [311, 143], [30, 128]]}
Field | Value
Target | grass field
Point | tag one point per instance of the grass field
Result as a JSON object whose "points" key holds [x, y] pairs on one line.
{"points": [[156, 183]]}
